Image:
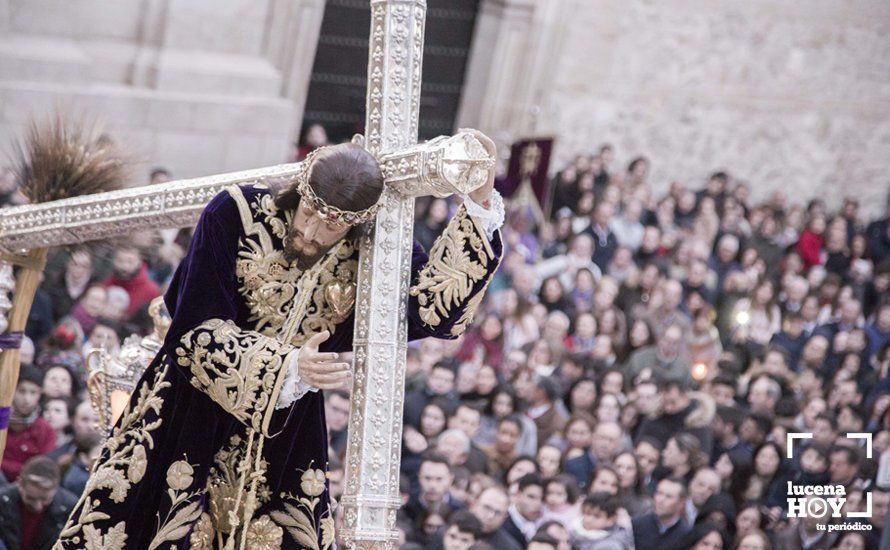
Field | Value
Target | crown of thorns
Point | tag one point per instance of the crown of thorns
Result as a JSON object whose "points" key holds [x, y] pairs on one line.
{"points": [[328, 212]]}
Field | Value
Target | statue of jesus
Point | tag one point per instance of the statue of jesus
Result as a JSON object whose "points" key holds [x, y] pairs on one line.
{"points": [[223, 443]]}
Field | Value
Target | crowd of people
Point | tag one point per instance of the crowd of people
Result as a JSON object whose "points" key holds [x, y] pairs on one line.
{"points": [[630, 379]]}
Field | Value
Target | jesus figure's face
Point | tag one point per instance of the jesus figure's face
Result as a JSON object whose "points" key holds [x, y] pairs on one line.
{"points": [[310, 236]]}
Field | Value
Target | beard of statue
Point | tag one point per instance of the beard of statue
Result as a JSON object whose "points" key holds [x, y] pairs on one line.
{"points": [[306, 254]]}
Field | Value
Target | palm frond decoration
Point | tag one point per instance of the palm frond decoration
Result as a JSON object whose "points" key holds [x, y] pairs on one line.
{"points": [[66, 157]]}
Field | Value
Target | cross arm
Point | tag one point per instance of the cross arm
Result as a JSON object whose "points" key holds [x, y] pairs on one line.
{"points": [[445, 165]]}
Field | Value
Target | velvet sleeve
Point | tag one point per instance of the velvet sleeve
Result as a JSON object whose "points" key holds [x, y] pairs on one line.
{"points": [[449, 283], [240, 370]]}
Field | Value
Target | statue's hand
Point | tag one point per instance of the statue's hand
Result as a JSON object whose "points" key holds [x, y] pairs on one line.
{"points": [[482, 196], [320, 370]]}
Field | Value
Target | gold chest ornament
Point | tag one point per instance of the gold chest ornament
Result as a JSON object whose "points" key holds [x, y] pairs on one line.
{"points": [[340, 295]]}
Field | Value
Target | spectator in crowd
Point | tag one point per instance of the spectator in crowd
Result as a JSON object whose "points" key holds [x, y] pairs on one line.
{"points": [[665, 526], [548, 419], [435, 478], [525, 513], [490, 508], [57, 412], [666, 359], [654, 347], [29, 435], [34, 509], [439, 384], [336, 412], [130, 273], [67, 287], [597, 528], [461, 532], [86, 451], [85, 421]]}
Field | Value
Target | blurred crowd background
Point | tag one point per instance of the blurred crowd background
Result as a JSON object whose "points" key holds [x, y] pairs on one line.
{"points": [[629, 381]]}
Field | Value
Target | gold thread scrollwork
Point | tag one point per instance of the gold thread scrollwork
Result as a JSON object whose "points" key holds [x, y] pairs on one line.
{"points": [[458, 260], [236, 368]]}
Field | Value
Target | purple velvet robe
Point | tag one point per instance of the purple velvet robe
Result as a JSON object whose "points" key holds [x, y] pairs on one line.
{"points": [[201, 453]]}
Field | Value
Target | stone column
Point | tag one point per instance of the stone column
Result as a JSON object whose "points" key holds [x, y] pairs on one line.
{"points": [[291, 45], [515, 44], [4, 16], [150, 42]]}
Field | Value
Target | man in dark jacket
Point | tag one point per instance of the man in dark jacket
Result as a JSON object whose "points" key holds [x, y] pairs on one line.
{"points": [[680, 413], [34, 509], [664, 526], [490, 508]]}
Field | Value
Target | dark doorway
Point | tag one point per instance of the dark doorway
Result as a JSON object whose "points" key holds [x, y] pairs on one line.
{"points": [[336, 96]]}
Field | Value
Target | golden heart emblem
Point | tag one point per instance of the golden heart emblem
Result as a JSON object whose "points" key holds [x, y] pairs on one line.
{"points": [[341, 297]]}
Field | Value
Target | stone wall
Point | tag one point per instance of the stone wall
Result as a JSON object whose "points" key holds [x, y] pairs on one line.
{"points": [[196, 86], [782, 93]]}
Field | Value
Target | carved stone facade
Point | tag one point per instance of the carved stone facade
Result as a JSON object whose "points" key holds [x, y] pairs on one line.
{"points": [[197, 86], [782, 94], [778, 92]]}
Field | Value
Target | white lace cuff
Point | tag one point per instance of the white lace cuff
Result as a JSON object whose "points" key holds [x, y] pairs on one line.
{"points": [[491, 219], [293, 387]]}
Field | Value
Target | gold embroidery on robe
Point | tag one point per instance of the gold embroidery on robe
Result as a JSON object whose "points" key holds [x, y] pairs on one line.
{"points": [[458, 260], [124, 466], [224, 519], [242, 371], [298, 516], [268, 283], [185, 508]]}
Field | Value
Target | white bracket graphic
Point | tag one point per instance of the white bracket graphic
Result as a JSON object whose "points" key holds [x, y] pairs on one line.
{"points": [[789, 441], [866, 437]]}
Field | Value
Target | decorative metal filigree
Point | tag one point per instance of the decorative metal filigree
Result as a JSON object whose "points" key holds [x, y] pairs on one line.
{"points": [[112, 379], [442, 166]]}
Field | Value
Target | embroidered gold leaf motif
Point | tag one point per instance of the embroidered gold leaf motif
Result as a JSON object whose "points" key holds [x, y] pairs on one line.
{"points": [[298, 525], [114, 539], [327, 531], [178, 526], [138, 462], [458, 260]]}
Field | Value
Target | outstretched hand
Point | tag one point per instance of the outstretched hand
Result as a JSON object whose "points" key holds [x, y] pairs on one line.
{"points": [[321, 370], [482, 196]]}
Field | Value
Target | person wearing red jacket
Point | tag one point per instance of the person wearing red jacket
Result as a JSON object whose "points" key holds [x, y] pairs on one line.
{"points": [[811, 241], [131, 274], [29, 434]]}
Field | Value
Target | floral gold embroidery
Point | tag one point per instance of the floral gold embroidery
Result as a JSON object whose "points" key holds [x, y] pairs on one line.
{"points": [[123, 464], [263, 534], [458, 260], [179, 475], [299, 514], [203, 533], [238, 369], [312, 482], [268, 283], [184, 507]]}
